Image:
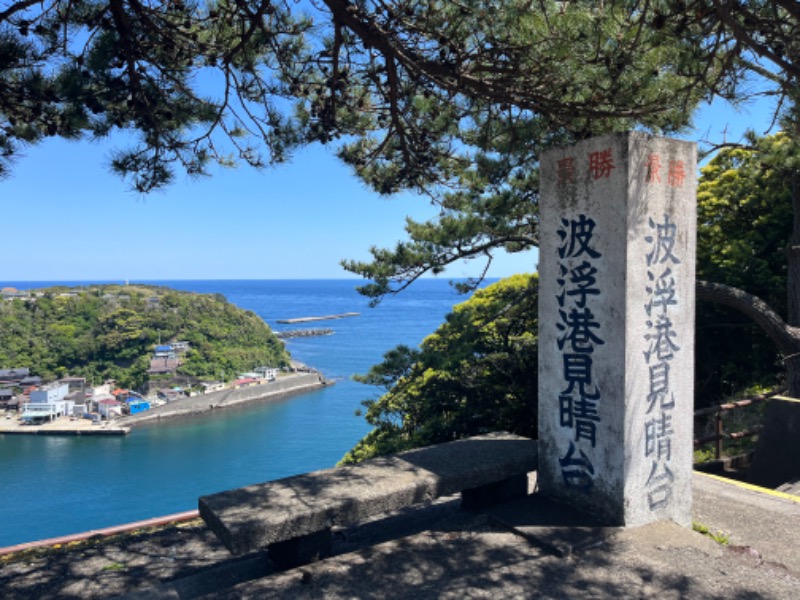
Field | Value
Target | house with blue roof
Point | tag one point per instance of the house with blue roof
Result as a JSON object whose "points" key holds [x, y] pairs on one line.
{"points": [[164, 351], [137, 405]]}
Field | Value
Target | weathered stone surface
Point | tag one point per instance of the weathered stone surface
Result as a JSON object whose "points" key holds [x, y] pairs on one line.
{"points": [[475, 461], [616, 327], [437, 551], [253, 517]]}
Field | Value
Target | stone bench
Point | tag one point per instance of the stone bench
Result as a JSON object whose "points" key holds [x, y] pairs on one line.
{"points": [[293, 517]]}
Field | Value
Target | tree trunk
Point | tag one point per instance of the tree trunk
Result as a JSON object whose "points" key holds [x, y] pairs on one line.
{"points": [[785, 336]]}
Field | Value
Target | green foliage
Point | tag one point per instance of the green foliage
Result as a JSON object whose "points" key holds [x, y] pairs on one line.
{"points": [[110, 331], [409, 85], [745, 217], [704, 455], [453, 99], [475, 374], [718, 536], [745, 220]]}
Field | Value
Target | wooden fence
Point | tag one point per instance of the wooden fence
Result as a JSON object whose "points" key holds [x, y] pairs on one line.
{"points": [[719, 431]]}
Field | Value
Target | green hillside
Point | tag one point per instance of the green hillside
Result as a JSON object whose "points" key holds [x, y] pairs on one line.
{"points": [[110, 331]]}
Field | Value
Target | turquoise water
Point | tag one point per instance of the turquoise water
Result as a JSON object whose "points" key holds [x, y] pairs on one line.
{"points": [[54, 486]]}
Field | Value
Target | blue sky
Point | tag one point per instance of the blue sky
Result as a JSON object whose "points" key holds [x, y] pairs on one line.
{"points": [[67, 218]]}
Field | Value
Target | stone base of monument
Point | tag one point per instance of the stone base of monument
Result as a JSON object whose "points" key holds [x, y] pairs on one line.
{"points": [[552, 525], [732, 467]]}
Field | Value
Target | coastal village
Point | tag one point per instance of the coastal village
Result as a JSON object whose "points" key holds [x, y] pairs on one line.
{"points": [[32, 404], [29, 401]]}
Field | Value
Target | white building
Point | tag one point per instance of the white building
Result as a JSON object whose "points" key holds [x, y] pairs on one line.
{"points": [[269, 373], [99, 390], [109, 408], [212, 386], [50, 393], [48, 403]]}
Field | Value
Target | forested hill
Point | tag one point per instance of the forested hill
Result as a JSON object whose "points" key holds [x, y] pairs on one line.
{"points": [[110, 331]]}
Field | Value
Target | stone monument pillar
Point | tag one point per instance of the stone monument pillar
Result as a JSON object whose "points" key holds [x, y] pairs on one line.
{"points": [[616, 327]]}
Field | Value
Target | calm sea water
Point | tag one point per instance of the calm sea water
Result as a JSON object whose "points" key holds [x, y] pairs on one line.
{"points": [[53, 486]]}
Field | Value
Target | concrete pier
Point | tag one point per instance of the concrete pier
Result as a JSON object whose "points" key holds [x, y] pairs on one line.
{"points": [[321, 318], [13, 425]]}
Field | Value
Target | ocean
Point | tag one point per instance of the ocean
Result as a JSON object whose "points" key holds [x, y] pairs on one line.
{"points": [[53, 486]]}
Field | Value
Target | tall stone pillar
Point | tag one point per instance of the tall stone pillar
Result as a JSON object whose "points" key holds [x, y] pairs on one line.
{"points": [[616, 327]]}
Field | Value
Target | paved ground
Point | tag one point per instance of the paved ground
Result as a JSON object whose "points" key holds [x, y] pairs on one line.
{"points": [[12, 424], [520, 550]]}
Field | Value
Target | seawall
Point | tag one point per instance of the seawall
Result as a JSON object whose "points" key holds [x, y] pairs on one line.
{"points": [[274, 390]]}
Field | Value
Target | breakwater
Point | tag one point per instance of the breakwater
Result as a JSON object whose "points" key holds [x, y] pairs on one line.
{"points": [[322, 318], [282, 387], [295, 333]]}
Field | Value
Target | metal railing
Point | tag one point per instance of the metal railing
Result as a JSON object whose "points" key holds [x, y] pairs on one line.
{"points": [[719, 429]]}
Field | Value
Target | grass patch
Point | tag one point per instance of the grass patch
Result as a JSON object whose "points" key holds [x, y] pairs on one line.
{"points": [[718, 536], [704, 455]]}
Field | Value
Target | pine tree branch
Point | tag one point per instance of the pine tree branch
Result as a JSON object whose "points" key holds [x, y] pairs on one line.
{"points": [[786, 337]]}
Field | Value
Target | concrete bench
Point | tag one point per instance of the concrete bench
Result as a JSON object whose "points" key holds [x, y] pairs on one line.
{"points": [[293, 517]]}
